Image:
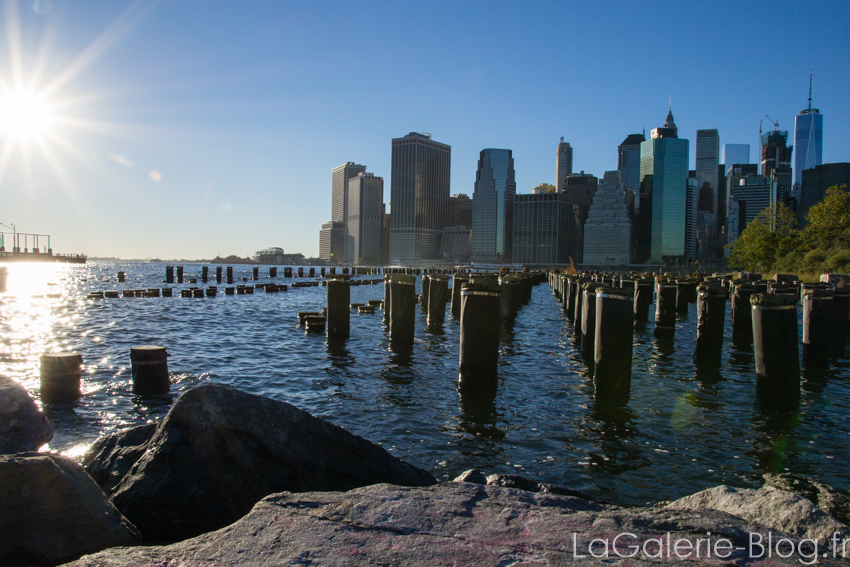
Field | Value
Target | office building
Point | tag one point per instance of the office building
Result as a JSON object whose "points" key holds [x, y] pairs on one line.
{"points": [[544, 188], [455, 244], [808, 138], [460, 210], [365, 218], [815, 183], [663, 195], [493, 206], [563, 163], [420, 188], [776, 162], [608, 228], [707, 161], [579, 189], [734, 153], [332, 242], [749, 196], [541, 229], [628, 161]]}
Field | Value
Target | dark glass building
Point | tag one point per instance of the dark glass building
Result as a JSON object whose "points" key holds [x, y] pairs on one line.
{"points": [[493, 206]]}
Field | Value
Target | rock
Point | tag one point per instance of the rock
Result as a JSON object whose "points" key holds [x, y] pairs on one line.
{"points": [[22, 425], [112, 457], [770, 507], [831, 500], [448, 524], [218, 451], [52, 512], [516, 481]]}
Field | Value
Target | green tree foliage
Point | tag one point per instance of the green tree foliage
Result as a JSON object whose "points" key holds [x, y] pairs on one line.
{"points": [[829, 221], [769, 237]]}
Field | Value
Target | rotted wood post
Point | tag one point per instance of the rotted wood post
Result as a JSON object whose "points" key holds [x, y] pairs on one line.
{"points": [[613, 342], [402, 308], [339, 311], [742, 313], [643, 299], [818, 314], [457, 282], [149, 370], [479, 336], [179, 274], [711, 319], [205, 274], [218, 274], [424, 293], [169, 274], [775, 346], [665, 309], [60, 377], [437, 294], [588, 319]]}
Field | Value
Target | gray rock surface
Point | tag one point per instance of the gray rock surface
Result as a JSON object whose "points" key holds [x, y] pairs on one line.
{"points": [[775, 509], [449, 524], [831, 500], [112, 457], [22, 425], [218, 451], [516, 481], [52, 511]]}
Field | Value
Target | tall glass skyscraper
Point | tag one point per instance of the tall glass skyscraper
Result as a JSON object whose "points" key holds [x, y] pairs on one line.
{"points": [[708, 158], [808, 138], [563, 163], [419, 193], [493, 206], [628, 161], [664, 186]]}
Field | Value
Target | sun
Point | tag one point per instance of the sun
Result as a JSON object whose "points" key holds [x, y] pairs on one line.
{"points": [[24, 115]]}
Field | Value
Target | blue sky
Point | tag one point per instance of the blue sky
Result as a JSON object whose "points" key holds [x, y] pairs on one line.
{"points": [[189, 129]]}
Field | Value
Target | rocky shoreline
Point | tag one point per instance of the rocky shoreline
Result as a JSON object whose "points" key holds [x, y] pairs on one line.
{"points": [[233, 478]]}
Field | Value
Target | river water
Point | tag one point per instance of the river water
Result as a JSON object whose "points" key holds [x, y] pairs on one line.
{"points": [[682, 430]]}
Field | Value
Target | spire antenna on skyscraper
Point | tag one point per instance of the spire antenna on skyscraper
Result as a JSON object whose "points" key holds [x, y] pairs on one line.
{"points": [[810, 88]]}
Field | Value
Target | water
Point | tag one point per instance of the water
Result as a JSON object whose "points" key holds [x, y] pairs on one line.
{"points": [[681, 431]]}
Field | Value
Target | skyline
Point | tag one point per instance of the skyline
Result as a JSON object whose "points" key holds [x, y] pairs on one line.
{"points": [[189, 133]]}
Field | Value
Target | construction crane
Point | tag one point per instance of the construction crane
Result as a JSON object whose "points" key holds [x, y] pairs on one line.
{"points": [[775, 123]]}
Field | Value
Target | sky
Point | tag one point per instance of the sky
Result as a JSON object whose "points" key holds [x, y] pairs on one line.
{"points": [[191, 129]]}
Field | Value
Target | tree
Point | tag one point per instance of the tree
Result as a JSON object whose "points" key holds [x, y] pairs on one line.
{"points": [[829, 221], [768, 238]]}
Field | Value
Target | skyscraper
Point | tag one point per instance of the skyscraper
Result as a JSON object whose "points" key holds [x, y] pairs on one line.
{"points": [[541, 229], [707, 159], [608, 229], [339, 195], [776, 162], [460, 210], [563, 163], [421, 170], [493, 206], [808, 138], [815, 183], [663, 194], [365, 217], [628, 161], [579, 189], [734, 153]]}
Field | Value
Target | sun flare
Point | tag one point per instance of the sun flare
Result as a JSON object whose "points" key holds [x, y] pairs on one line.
{"points": [[24, 115]]}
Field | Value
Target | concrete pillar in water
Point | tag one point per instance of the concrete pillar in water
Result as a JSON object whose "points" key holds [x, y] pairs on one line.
{"points": [[60, 377], [437, 293], [818, 314], [742, 313], [179, 274], [665, 309], [643, 298], [613, 340], [775, 346], [711, 319], [457, 281], [149, 368], [169, 274], [402, 308], [588, 319], [230, 274], [120, 277], [423, 293], [479, 336], [205, 274], [339, 312], [218, 274]]}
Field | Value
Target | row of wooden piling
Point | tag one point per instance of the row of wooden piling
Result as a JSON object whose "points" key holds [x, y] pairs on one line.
{"points": [[763, 313], [60, 373]]}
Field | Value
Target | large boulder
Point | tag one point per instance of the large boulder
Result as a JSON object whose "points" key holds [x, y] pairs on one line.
{"points": [[831, 500], [770, 507], [51, 511], [458, 524], [22, 425], [218, 451], [111, 457]]}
